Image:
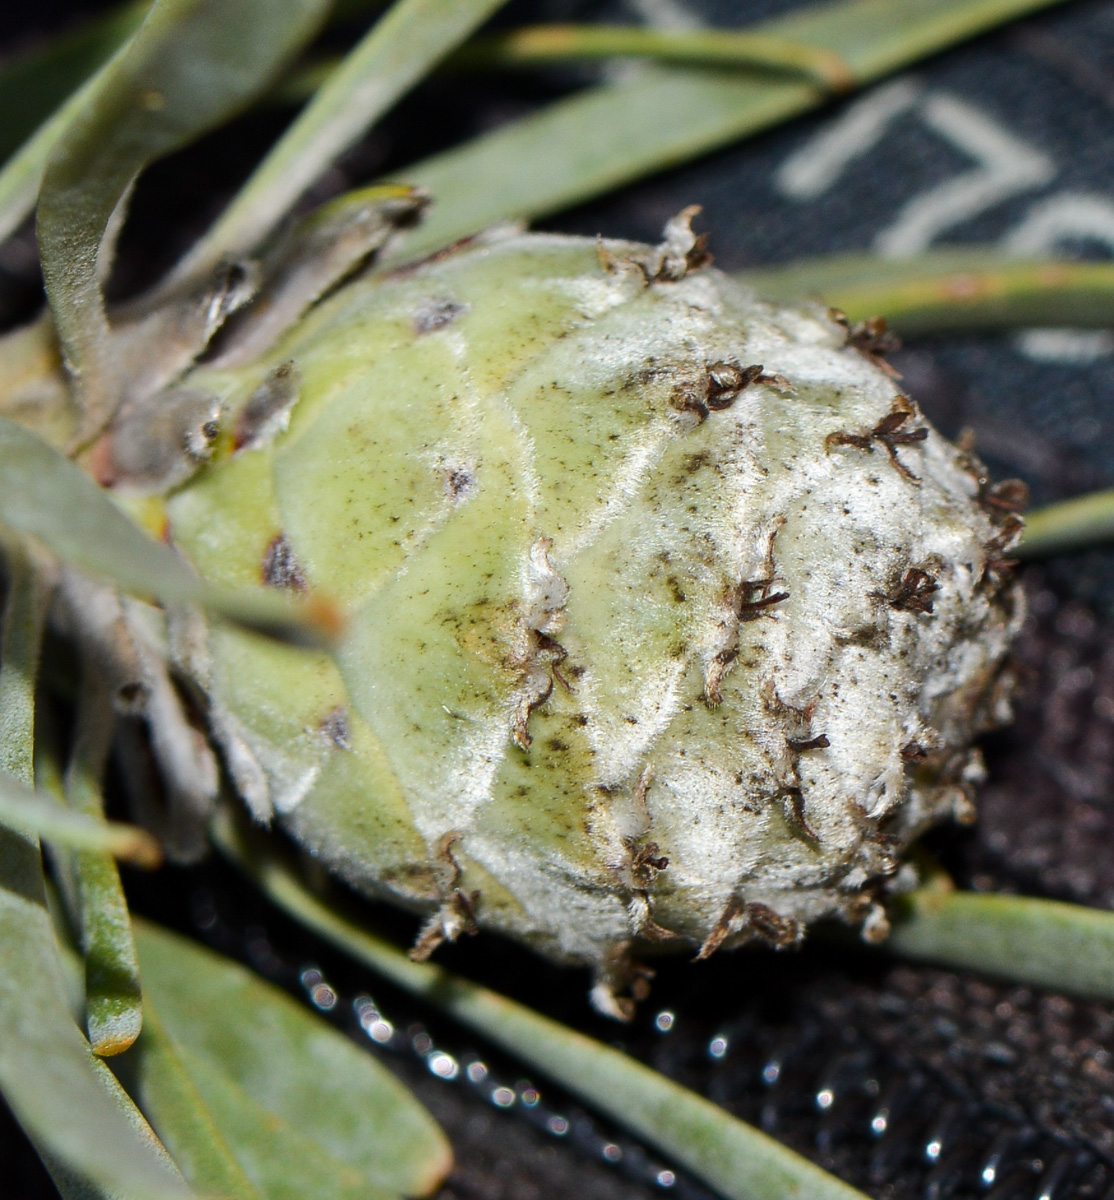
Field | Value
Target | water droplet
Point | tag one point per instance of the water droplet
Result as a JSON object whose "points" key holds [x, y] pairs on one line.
{"points": [[443, 1065], [502, 1097], [665, 1020], [381, 1031], [476, 1072], [665, 1179], [612, 1153], [717, 1047], [558, 1126]]}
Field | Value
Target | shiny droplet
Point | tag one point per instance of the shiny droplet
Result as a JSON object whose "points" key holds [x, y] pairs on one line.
{"points": [[443, 1065]]}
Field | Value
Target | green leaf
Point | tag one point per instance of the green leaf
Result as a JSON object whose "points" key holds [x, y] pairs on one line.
{"points": [[43, 494], [22, 174], [1045, 943], [322, 1095], [46, 1068], [1075, 524], [737, 1160], [191, 65], [99, 911], [37, 814], [959, 289], [536, 44], [603, 137], [412, 37], [29, 955], [34, 83], [191, 1131], [24, 619], [206, 1117]]}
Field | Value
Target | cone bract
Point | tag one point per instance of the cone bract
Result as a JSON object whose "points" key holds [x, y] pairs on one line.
{"points": [[671, 620]]}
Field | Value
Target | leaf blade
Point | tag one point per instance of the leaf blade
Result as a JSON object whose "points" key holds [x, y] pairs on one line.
{"points": [[37, 814], [610, 135], [402, 46], [34, 83], [1045, 943], [46, 1068], [293, 1064], [1074, 524], [197, 1108], [170, 1096], [959, 288], [191, 64]]}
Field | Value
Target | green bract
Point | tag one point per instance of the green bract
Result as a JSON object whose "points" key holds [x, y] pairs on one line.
{"points": [[669, 619]]}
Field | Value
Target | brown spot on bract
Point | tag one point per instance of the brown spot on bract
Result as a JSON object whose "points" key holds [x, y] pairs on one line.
{"points": [[458, 483], [281, 568], [334, 725], [435, 313], [727, 381]]}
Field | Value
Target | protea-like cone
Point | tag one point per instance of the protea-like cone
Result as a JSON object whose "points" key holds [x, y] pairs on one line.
{"points": [[671, 620]]}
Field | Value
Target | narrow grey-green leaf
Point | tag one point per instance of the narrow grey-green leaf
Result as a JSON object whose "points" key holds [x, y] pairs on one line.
{"points": [[43, 494], [38, 814], [113, 998], [41, 1072], [75, 1186], [35, 82], [537, 44], [24, 619], [1046, 943], [207, 1118], [606, 136], [1075, 524], [191, 65], [293, 1064], [315, 257], [737, 1160], [187, 1126], [976, 287], [412, 37], [22, 174], [46, 1067]]}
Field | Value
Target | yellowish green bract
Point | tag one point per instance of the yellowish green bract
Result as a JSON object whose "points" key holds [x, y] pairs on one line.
{"points": [[670, 620]]}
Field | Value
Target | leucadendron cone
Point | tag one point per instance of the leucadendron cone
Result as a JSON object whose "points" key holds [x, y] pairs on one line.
{"points": [[671, 619]]}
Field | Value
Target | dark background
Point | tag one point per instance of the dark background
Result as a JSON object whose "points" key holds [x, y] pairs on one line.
{"points": [[908, 1081]]}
